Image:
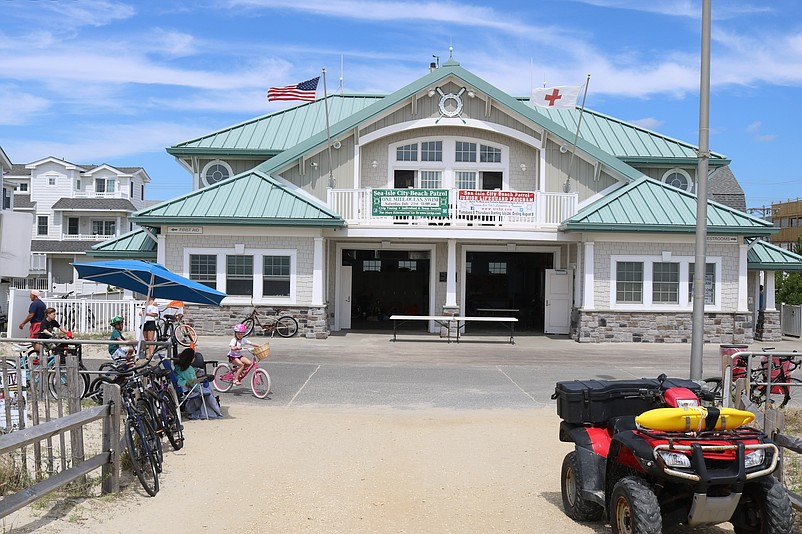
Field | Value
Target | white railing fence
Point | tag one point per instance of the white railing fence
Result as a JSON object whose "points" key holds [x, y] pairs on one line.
{"points": [[91, 316]]}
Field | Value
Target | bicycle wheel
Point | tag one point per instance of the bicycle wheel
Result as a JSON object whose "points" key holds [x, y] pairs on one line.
{"points": [[248, 326], [169, 419], [162, 330], [260, 383], [715, 387], [286, 326], [185, 335], [223, 378], [141, 459], [147, 414]]}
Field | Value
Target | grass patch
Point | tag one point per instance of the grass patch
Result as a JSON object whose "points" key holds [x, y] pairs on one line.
{"points": [[13, 475], [792, 462]]}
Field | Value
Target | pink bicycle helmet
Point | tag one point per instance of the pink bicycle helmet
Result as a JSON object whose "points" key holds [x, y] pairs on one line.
{"points": [[241, 328]]}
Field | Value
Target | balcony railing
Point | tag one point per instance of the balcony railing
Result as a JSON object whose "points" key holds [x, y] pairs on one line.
{"points": [[96, 194], [86, 237], [544, 210]]}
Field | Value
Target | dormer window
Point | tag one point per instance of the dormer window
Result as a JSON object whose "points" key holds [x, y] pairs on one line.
{"points": [[679, 179], [216, 171]]}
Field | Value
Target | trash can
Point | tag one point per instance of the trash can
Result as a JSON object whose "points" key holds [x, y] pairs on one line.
{"points": [[725, 351]]}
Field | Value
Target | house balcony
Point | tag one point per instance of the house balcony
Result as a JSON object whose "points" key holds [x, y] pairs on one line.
{"points": [[454, 207], [96, 194], [86, 237]]}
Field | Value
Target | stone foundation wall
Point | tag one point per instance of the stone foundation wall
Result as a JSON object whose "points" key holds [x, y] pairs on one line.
{"points": [[211, 321], [646, 327], [768, 326]]}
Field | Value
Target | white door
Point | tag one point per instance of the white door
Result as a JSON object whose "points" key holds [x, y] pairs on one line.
{"points": [[558, 301], [344, 306]]}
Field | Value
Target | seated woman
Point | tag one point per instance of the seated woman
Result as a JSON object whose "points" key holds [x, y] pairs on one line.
{"points": [[200, 404]]}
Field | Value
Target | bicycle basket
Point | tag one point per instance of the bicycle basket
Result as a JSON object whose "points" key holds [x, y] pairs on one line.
{"points": [[262, 351]]}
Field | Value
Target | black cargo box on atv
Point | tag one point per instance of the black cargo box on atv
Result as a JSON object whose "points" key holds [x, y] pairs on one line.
{"points": [[596, 401]]}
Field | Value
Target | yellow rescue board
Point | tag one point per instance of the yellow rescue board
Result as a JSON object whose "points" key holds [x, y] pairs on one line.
{"points": [[691, 419]]}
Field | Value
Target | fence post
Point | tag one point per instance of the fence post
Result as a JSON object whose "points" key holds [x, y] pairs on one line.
{"points": [[774, 423], [111, 440], [74, 405]]}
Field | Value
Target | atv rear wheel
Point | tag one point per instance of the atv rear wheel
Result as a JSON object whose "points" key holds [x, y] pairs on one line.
{"points": [[634, 508], [764, 509], [574, 505]]}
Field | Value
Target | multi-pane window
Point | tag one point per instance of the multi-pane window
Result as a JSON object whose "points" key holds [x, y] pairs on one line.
{"points": [[276, 276], [431, 179], [629, 282], [497, 267], [203, 269], [41, 225], [239, 275], [51, 180], [22, 187], [72, 226], [407, 152], [665, 283], [103, 227], [103, 185], [466, 179], [710, 283], [372, 265], [489, 154], [465, 152], [407, 265], [431, 151]]}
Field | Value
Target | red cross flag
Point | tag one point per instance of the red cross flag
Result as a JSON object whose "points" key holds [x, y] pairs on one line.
{"points": [[555, 97]]}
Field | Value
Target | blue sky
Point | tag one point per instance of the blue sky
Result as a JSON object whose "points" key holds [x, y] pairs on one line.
{"points": [[102, 81]]}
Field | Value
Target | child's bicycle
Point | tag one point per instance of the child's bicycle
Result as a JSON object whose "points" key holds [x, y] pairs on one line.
{"points": [[224, 374]]}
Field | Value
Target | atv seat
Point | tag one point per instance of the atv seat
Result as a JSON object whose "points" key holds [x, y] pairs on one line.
{"points": [[622, 423]]}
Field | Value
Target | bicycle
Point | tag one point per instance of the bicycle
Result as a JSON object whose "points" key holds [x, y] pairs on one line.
{"points": [[172, 327], [283, 325], [224, 374], [56, 378], [782, 369]]}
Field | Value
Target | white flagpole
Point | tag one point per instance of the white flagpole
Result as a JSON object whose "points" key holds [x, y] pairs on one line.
{"points": [[567, 184], [328, 131]]}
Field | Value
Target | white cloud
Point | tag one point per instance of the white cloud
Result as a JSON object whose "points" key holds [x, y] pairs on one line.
{"points": [[648, 123], [681, 8], [17, 107], [765, 138], [755, 126]]}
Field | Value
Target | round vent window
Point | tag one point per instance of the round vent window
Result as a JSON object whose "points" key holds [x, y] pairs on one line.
{"points": [[679, 179], [216, 172]]}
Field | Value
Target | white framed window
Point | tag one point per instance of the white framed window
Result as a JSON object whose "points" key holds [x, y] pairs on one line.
{"points": [[465, 151], [466, 180], [407, 265], [678, 178], [431, 151], [104, 227], [497, 267], [431, 179], [407, 152], [658, 283], [216, 171], [264, 276], [489, 154], [51, 180], [41, 225], [371, 265], [23, 186], [104, 185]]}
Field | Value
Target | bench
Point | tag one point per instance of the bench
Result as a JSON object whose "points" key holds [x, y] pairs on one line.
{"points": [[448, 321]]}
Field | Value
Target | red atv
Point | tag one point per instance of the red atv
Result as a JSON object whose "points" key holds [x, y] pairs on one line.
{"points": [[646, 479]]}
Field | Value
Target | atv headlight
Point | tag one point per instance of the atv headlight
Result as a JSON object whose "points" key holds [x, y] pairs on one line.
{"points": [[675, 459], [754, 458]]}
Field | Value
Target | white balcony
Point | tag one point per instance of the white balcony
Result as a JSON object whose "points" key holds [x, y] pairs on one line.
{"points": [[538, 210], [86, 237], [96, 194]]}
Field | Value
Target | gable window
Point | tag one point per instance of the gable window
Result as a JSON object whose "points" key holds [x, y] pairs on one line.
{"points": [[51, 180], [629, 282], [665, 283], [276, 276], [465, 152], [72, 226], [489, 154], [216, 171], [103, 227], [431, 151], [103, 185], [41, 225], [203, 269], [407, 152], [239, 275], [679, 179]]}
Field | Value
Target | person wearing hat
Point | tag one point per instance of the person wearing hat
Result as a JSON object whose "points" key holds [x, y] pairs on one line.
{"points": [[36, 314], [119, 353]]}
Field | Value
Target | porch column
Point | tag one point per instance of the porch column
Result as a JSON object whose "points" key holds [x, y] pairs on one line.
{"points": [[743, 286], [451, 275], [768, 292], [317, 273], [589, 278]]}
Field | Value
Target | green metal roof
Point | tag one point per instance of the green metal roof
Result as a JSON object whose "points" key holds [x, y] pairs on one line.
{"points": [[647, 205], [134, 244], [765, 256], [449, 69], [273, 133], [627, 141], [252, 198]]}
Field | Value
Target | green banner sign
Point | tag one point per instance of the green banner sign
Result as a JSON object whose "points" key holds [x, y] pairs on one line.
{"points": [[410, 202]]}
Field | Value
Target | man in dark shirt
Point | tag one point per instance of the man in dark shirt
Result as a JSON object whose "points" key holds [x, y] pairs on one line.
{"points": [[36, 313]]}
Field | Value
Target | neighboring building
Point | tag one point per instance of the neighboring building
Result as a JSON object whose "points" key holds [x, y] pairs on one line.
{"points": [[74, 207], [15, 247], [449, 196], [787, 216]]}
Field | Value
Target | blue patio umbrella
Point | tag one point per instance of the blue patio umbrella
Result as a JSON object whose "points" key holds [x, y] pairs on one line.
{"points": [[151, 279]]}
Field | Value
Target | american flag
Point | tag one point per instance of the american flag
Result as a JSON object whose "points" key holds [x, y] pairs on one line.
{"points": [[299, 91]]}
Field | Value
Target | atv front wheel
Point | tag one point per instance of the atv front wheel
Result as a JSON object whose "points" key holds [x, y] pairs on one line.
{"points": [[634, 508], [574, 505], [764, 509]]}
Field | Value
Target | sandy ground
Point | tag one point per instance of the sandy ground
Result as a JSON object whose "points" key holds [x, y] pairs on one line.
{"points": [[343, 470]]}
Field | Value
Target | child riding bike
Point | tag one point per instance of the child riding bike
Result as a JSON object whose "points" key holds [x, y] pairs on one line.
{"points": [[235, 347]]}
